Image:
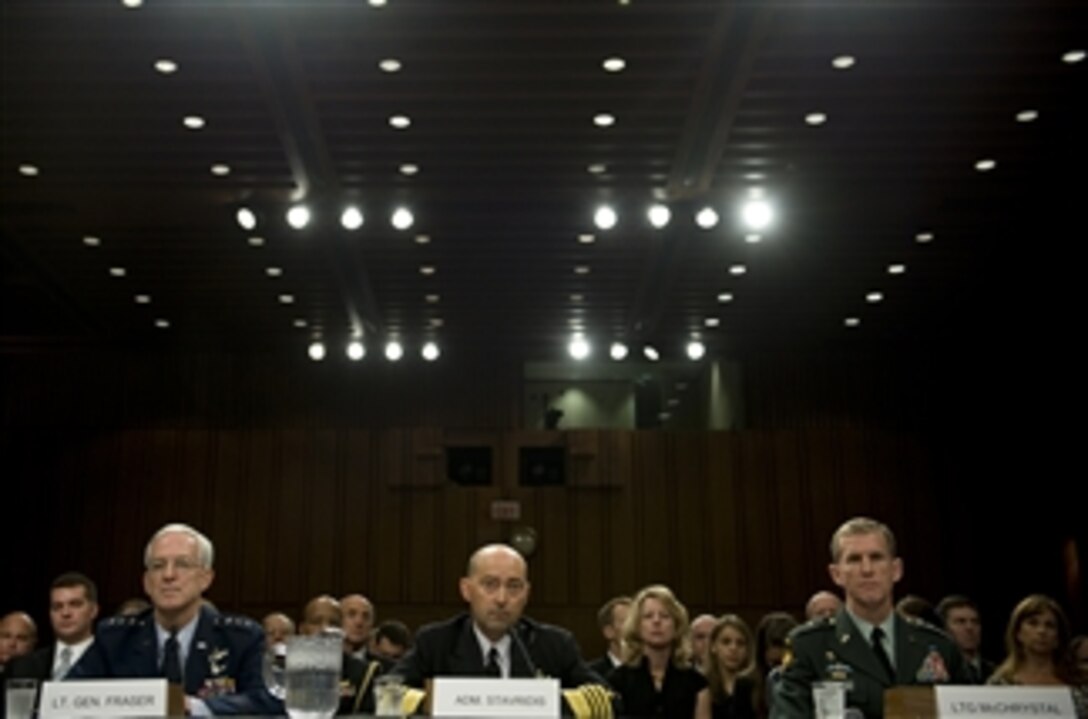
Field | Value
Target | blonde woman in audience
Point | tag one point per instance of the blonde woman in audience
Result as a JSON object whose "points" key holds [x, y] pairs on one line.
{"points": [[1035, 642], [657, 678], [730, 674]]}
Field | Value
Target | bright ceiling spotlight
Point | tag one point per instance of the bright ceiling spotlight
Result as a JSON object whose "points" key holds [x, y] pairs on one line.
{"points": [[247, 220], [650, 352], [618, 351], [706, 218], [298, 216], [757, 214], [605, 217], [579, 347], [355, 350], [659, 215], [402, 218], [316, 351], [695, 350], [430, 351], [351, 218], [393, 350]]}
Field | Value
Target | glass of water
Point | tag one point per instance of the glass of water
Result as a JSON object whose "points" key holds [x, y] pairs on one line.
{"points": [[312, 675], [19, 697]]}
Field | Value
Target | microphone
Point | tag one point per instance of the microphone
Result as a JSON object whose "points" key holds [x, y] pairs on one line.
{"points": [[515, 635]]}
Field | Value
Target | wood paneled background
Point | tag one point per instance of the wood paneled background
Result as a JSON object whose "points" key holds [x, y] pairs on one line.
{"points": [[322, 478]]}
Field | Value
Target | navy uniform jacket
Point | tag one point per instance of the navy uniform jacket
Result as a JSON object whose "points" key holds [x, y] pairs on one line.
{"points": [[223, 668], [834, 649]]}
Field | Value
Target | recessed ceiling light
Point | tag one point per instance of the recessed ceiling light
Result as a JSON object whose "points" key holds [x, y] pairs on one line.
{"points": [[390, 64], [816, 118], [874, 297], [355, 350], [605, 217], [377, 3], [1073, 56], [924, 237], [431, 299], [852, 321], [597, 169], [617, 351], [142, 299], [298, 216], [91, 241], [737, 269], [604, 120], [659, 215], [402, 218], [162, 323], [579, 347], [753, 238], [430, 351], [896, 269], [393, 351], [351, 218], [166, 66], [581, 269], [576, 298], [427, 269], [193, 122], [757, 214], [423, 239], [724, 297], [220, 170], [843, 62], [300, 323], [695, 350], [316, 350], [706, 218], [437, 322], [985, 165], [409, 169], [614, 64], [255, 241], [247, 220], [712, 321], [29, 170], [400, 122], [650, 352], [1027, 116], [274, 271], [286, 299], [586, 238], [132, 4], [118, 272]]}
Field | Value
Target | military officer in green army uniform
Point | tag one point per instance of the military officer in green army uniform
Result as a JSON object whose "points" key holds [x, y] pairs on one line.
{"points": [[866, 646]]}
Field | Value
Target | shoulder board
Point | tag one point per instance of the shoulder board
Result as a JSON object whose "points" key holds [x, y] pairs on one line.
{"points": [[815, 625], [121, 622], [235, 622]]}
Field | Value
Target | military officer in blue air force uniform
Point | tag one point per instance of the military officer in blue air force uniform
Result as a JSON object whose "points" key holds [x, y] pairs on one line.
{"points": [[867, 645], [215, 657]]}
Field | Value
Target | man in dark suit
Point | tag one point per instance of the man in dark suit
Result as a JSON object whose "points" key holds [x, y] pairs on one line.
{"points": [[961, 620], [73, 606], [494, 639], [866, 645], [610, 619], [216, 658]]}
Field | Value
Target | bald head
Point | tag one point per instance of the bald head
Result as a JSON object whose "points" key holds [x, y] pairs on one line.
{"points": [[701, 627], [277, 627], [18, 635], [358, 621], [492, 553], [496, 587], [821, 605], [321, 613]]}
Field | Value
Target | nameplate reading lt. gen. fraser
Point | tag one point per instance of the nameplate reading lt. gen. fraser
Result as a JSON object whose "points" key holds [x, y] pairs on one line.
{"points": [[1004, 702], [464, 697], [105, 697]]}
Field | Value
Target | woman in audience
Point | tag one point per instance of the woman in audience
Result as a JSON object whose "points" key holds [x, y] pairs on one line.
{"points": [[771, 635], [656, 678], [1035, 643], [1078, 656], [730, 675]]}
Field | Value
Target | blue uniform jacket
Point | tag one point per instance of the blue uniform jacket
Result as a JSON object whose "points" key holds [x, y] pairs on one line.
{"points": [[223, 667]]}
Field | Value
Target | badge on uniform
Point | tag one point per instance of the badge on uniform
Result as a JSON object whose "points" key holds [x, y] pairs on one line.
{"points": [[216, 687], [347, 689], [838, 672], [933, 669], [217, 661]]}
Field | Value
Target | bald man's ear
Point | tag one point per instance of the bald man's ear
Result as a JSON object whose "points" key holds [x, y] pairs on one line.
{"points": [[466, 589]]}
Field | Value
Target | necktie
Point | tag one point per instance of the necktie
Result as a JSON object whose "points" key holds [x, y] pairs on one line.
{"points": [[64, 664], [493, 668], [171, 661], [881, 653]]}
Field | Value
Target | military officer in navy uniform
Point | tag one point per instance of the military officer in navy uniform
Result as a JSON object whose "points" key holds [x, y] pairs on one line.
{"points": [[215, 657], [866, 645]]}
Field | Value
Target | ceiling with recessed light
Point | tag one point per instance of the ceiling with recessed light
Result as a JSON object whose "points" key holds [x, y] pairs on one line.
{"points": [[498, 174]]}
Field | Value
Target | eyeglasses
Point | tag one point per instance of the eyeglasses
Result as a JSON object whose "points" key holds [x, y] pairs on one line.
{"points": [[180, 564]]}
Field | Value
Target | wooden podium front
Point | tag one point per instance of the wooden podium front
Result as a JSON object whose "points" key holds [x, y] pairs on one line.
{"points": [[910, 703]]}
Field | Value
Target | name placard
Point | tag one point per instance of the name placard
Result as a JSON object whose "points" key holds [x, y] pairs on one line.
{"points": [[465, 697], [1014, 702], [104, 697]]}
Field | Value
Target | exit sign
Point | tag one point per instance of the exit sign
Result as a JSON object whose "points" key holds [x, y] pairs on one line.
{"points": [[506, 510]]}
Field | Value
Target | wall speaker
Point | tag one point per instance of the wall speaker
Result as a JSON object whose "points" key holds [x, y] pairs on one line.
{"points": [[542, 466], [469, 466]]}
